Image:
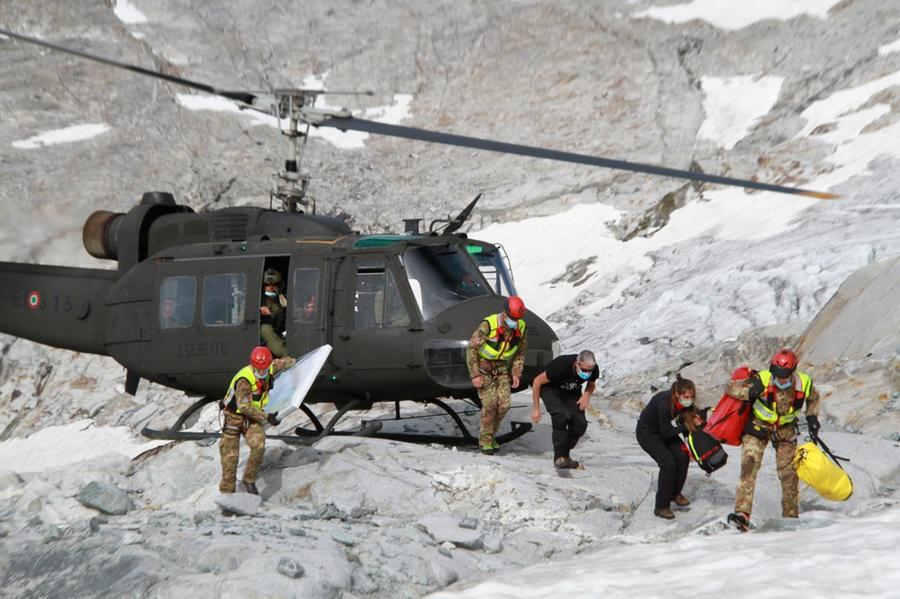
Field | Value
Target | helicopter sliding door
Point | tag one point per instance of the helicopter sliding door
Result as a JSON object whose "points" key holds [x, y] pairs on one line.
{"points": [[378, 327], [306, 324], [207, 318]]}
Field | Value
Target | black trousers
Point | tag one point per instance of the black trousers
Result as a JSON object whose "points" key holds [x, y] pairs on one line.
{"points": [[673, 466], [569, 423]]}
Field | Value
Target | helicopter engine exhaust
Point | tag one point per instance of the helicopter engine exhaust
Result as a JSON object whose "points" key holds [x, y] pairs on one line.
{"points": [[100, 234]]}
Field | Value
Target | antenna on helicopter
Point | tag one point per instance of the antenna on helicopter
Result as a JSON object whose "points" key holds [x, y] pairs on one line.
{"points": [[453, 224]]}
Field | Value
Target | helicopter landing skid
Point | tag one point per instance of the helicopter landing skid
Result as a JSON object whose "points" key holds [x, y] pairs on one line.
{"points": [[463, 439], [176, 434]]}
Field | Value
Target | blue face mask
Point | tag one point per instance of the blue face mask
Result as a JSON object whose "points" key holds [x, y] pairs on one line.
{"points": [[582, 374], [261, 374], [783, 385], [511, 323]]}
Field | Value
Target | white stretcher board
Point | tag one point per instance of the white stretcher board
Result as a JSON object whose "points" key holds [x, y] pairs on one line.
{"points": [[292, 385]]}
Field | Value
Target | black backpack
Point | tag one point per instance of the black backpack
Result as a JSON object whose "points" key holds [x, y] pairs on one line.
{"points": [[706, 451]]}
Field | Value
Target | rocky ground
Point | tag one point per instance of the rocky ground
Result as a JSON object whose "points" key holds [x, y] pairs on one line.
{"points": [[354, 517]]}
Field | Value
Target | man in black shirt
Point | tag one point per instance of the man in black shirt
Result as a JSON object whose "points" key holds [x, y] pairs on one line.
{"points": [[560, 388]]}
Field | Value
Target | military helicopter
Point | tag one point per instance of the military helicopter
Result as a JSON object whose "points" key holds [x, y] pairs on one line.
{"points": [[181, 309]]}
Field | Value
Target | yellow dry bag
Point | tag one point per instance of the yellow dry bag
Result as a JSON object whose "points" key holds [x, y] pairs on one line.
{"points": [[818, 471]]}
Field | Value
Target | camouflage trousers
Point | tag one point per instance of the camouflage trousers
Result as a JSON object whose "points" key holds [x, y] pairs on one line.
{"points": [[752, 449], [272, 340], [495, 395], [230, 449]]}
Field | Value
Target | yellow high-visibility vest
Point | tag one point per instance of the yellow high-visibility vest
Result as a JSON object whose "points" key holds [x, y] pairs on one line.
{"points": [[260, 393], [495, 347], [765, 409]]}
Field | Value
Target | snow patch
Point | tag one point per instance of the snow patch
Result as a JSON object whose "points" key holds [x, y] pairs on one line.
{"points": [[842, 121], [62, 136], [886, 49], [734, 105], [128, 13], [56, 446], [546, 280], [645, 569], [737, 14]]}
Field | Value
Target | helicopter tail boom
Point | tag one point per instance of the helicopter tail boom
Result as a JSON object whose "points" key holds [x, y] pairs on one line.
{"points": [[59, 306]]}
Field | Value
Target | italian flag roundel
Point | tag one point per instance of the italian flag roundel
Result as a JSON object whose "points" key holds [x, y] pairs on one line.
{"points": [[34, 300]]}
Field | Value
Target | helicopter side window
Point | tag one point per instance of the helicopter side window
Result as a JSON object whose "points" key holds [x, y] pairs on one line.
{"points": [[223, 299], [304, 294], [378, 302], [177, 296]]}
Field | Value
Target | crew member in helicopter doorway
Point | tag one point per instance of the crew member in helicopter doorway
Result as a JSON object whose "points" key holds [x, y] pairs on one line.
{"points": [[272, 315]]}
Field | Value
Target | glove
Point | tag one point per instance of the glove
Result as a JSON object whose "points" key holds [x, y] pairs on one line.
{"points": [[273, 419], [756, 388], [812, 423]]}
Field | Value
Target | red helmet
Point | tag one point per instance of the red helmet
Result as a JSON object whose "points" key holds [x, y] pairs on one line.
{"points": [[261, 358], [783, 363], [515, 307]]}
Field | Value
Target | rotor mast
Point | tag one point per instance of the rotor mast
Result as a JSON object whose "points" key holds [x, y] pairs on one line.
{"points": [[290, 183]]}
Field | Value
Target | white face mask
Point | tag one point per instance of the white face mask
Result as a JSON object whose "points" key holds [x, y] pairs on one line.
{"points": [[783, 385], [261, 374], [511, 323], [686, 402]]}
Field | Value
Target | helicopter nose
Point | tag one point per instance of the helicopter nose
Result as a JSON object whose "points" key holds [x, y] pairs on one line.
{"points": [[448, 334]]}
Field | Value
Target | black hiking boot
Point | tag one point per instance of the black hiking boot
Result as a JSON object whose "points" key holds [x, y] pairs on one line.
{"points": [[249, 488], [739, 520]]}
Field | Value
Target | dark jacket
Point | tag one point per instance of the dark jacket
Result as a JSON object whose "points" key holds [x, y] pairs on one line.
{"points": [[656, 419]]}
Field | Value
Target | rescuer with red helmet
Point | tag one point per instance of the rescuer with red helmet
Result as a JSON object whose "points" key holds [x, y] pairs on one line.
{"points": [[244, 408], [496, 359], [777, 395]]}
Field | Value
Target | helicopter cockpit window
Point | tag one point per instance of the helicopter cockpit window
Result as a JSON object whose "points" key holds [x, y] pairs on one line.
{"points": [[176, 302], [378, 301], [304, 294], [223, 299], [440, 277], [493, 264]]}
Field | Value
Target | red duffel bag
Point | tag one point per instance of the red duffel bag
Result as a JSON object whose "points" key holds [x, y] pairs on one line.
{"points": [[727, 420]]}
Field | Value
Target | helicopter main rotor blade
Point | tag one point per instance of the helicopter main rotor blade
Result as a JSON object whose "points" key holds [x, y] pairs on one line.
{"points": [[245, 97], [355, 124]]}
